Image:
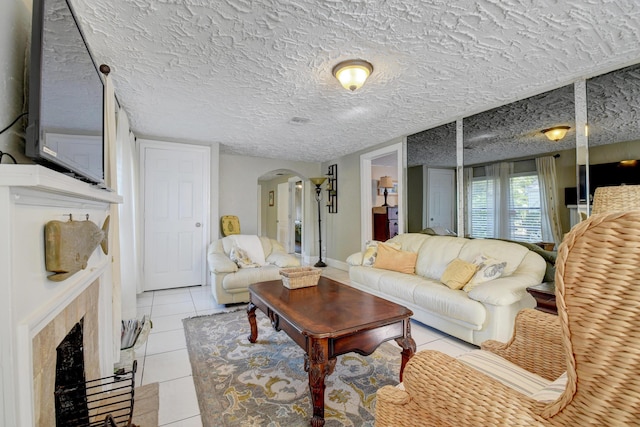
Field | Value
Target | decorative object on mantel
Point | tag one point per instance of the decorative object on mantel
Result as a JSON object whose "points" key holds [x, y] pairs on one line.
{"points": [[385, 182], [318, 183], [68, 245], [332, 189]]}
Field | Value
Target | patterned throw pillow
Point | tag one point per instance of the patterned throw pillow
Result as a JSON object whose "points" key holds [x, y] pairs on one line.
{"points": [[240, 257], [371, 252], [488, 269]]}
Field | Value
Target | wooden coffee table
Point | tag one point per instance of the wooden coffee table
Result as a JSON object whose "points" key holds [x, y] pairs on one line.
{"points": [[328, 320]]}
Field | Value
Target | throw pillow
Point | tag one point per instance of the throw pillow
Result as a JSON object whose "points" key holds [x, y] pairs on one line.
{"points": [[458, 273], [371, 252], [390, 258], [241, 258], [488, 269]]}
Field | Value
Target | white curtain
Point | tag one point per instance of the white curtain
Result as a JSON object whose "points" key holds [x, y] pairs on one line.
{"points": [[498, 176], [127, 180], [112, 182], [549, 206]]}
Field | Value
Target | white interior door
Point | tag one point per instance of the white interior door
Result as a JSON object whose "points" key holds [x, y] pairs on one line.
{"points": [[441, 193], [175, 178], [284, 217]]}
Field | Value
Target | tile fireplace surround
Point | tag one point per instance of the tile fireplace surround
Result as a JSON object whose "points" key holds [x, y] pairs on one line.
{"points": [[37, 313]]}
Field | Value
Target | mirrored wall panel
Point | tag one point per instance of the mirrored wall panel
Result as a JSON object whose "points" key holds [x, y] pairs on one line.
{"points": [[613, 116], [431, 187]]}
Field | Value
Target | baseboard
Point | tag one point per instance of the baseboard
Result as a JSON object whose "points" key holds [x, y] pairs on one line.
{"points": [[341, 265]]}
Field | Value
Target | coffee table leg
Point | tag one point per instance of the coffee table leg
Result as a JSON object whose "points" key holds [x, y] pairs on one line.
{"points": [[318, 365], [408, 347], [251, 314]]}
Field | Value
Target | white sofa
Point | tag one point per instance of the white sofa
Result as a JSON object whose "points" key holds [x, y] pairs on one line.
{"points": [[229, 282], [488, 311]]}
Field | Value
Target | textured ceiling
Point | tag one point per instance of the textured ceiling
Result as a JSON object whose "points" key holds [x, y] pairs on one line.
{"points": [[247, 73]]}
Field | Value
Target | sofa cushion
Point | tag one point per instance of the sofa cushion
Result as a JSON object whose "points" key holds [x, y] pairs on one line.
{"points": [[369, 277], [409, 241], [553, 391], [458, 273], [436, 253], [244, 276], [510, 253], [509, 374], [390, 258], [439, 299]]}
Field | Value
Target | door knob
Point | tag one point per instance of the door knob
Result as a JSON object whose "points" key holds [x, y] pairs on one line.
{"points": [[198, 224]]}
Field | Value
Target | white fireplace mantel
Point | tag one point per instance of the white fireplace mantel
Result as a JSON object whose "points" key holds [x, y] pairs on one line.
{"points": [[30, 196]]}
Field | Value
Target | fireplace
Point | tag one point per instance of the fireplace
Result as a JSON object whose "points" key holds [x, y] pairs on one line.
{"points": [[57, 344], [36, 314]]}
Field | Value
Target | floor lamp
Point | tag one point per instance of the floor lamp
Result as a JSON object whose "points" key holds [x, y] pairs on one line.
{"points": [[318, 183]]}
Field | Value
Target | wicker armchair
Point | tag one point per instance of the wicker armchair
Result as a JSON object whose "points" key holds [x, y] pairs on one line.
{"points": [[598, 298]]}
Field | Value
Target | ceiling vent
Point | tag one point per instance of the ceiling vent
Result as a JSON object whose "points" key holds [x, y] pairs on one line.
{"points": [[299, 121]]}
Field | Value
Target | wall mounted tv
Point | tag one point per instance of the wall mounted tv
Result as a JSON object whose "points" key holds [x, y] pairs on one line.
{"points": [[65, 129]]}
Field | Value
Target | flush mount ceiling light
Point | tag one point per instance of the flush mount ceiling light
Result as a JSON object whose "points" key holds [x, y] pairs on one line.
{"points": [[352, 73], [556, 133]]}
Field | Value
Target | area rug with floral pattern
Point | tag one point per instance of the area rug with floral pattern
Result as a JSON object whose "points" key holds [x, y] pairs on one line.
{"points": [[264, 384]]}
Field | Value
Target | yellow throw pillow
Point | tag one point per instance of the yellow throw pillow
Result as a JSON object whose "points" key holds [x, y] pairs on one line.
{"points": [[370, 254], [393, 259], [458, 273]]}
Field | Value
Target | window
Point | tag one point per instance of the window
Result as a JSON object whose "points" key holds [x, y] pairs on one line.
{"points": [[517, 217], [525, 222]]}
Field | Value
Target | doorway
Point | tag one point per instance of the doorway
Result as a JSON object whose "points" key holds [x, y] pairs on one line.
{"points": [[175, 194], [281, 196], [369, 186]]}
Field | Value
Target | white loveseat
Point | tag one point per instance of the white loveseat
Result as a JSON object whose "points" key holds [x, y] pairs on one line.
{"points": [[487, 311], [229, 282]]}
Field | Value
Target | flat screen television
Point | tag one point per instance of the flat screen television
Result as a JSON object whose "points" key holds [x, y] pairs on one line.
{"points": [[65, 130]]}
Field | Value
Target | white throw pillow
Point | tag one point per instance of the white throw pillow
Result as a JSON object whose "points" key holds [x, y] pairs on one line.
{"points": [[488, 269]]}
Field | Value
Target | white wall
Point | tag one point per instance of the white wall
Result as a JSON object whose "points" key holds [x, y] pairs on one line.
{"points": [[341, 231], [15, 28], [239, 186], [15, 34]]}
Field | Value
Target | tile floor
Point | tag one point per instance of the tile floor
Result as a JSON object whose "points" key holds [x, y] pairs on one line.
{"points": [[164, 357]]}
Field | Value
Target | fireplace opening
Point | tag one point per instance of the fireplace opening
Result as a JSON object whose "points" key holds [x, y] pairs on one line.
{"points": [[81, 403], [70, 389]]}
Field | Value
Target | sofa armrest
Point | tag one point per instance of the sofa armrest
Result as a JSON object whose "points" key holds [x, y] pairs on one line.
{"points": [[220, 263], [536, 344], [355, 259], [501, 291], [282, 259]]}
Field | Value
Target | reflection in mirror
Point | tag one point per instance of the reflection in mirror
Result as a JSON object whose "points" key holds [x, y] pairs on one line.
{"points": [[613, 115], [514, 174], [431, 187]]}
